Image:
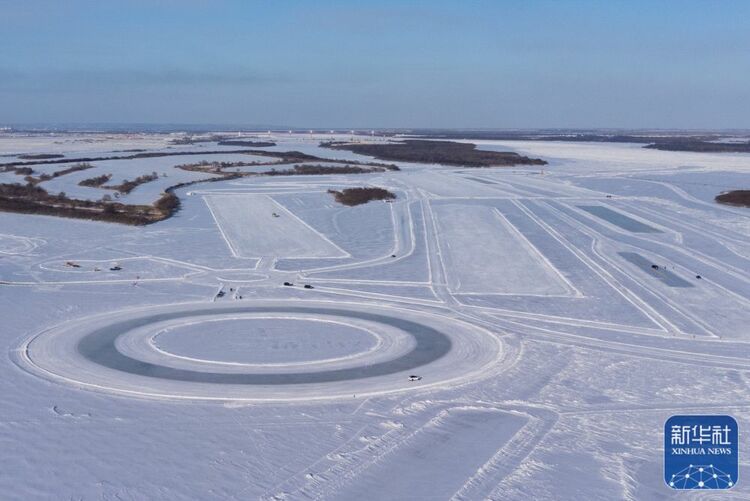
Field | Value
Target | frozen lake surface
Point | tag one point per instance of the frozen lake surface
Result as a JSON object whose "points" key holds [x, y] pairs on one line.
{"points": [[496, 333]]}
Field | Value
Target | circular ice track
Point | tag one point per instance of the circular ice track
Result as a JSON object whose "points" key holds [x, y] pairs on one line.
{"points": [[293, 350]]}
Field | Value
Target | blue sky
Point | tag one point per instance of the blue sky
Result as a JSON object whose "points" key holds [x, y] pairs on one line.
{"points": [[678, 64]]}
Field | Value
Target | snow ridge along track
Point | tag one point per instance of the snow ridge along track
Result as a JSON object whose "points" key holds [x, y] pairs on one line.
{"points": [[115, 353]]}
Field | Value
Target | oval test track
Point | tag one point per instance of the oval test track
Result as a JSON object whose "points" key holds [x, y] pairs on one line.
{"points": [[99, 347], [111, 353]]}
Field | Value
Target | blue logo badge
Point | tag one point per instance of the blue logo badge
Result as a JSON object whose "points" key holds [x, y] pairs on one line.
{"points": [[700, 452]]}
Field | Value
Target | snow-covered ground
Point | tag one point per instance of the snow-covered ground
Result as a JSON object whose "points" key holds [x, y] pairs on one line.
{"points": [[550, 351]]}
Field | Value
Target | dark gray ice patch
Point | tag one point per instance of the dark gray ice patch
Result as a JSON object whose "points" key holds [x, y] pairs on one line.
{"points": [[665, 276], [619, 219], [99, 347], [479, 180]]}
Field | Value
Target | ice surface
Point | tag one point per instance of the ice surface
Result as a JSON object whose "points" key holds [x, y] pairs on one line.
{"points": [[456, 443], [565, 360], [256, 226], [485, 254], [270, 341]]}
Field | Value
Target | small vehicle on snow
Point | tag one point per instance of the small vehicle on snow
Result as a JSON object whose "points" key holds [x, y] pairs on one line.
{"points": [[308, 286], [415, 378], [288, 284]]}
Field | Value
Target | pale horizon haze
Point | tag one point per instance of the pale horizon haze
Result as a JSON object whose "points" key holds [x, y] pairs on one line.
{"points": [[577, 64]]}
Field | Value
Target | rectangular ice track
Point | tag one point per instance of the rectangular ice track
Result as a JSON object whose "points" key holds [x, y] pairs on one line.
{"points": [[618, 219], [257, 226], [660, 272], [438, 459], [484, 253]]}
